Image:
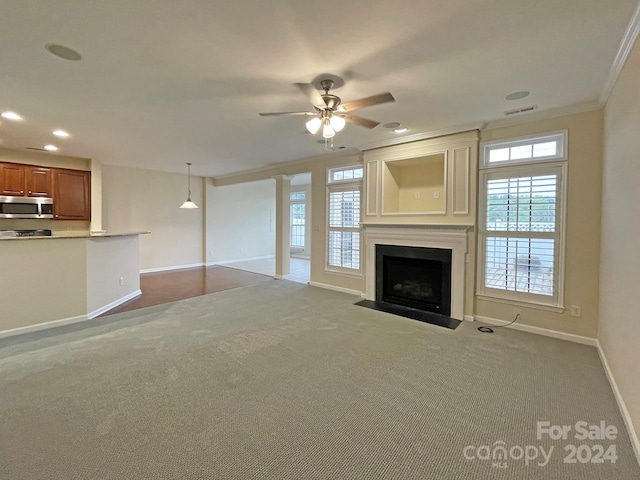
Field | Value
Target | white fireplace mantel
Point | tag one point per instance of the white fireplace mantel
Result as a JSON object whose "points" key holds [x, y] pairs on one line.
{"points": [[445, 236]]}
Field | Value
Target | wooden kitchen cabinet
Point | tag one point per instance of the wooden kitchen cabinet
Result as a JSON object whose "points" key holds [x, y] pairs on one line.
{"points": [[25, 180], [71, 194], [12, 179], [39, 181]]}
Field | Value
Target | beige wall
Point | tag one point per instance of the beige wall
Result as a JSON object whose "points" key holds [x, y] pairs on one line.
{"points": [[108, 260], [582, 229], [318, 168], [54, 270], [145, 200], [619, 332], [240, 220]]}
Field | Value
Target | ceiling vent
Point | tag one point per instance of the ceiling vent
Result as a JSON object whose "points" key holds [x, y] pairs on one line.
{"points": [[520, 110]]}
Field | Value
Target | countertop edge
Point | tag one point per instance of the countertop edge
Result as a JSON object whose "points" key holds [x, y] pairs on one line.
{"points": [[87, 236]]}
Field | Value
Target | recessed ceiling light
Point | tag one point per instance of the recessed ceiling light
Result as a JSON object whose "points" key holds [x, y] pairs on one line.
{"points": [[61, 133], [63, 52], [517, 95], [400, 130], [11, 116], [391, 125], [50, 148]]}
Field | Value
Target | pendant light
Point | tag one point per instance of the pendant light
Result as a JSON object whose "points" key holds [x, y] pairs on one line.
{"points": [[188, 203]]}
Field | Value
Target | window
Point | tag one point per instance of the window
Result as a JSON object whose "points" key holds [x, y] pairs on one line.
{"points": [[343, 214], [547, 147], [297, 205], [521, 241]]}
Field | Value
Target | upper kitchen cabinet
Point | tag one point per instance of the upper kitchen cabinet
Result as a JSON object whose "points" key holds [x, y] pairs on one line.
{"points": [[429, 181], [12, 179], [25, 180], [71, 194], [39, 181]]}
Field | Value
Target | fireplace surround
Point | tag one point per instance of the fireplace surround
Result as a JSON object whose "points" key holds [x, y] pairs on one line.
{"points": [[452, 238]]}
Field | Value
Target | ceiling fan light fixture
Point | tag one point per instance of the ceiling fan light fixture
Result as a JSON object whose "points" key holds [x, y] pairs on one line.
{"points": [[327, 129], [337, 123], [314, 125]]}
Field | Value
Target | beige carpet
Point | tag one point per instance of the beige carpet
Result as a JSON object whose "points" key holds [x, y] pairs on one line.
{"points": [[286, 381]]}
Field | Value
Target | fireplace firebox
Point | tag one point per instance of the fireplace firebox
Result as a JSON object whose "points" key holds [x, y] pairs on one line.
{"points": [[414, 277]]}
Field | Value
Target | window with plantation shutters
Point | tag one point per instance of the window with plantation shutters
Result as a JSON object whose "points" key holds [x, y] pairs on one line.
{"points": [[343, 212], [521, 241]]}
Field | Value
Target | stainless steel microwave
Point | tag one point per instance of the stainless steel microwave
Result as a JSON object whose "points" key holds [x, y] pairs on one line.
{"points": [[26, 207]]}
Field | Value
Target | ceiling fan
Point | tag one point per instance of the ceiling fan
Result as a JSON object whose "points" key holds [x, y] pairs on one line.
{"points": [[330, 113]]}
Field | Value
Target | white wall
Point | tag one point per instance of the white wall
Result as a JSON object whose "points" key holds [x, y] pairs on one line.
{"points": [[134, 199], [240, 220], [619, 329]]}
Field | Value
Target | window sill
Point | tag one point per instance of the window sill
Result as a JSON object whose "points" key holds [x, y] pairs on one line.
{"points": [[342, 273], [519, 303]]}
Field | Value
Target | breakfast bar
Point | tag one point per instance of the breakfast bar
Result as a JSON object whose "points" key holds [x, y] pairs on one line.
{"points": [[65, 278]]}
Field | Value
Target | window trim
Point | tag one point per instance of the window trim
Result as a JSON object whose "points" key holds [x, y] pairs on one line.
{"points": [[560, 135], [556, 302], [343, 185], [298, 202]]}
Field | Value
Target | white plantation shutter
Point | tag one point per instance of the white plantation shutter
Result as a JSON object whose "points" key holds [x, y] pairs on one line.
{"points": [[344, 227], [521, 238], [343, 218]]}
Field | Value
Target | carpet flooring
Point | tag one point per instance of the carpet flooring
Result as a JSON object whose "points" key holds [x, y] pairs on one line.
{"points": [[286, 381]]}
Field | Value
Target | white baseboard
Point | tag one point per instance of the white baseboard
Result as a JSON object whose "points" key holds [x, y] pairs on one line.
{"points": [[468, 318], [42, 326], [114, 304], [67, 321], [282, 277], [626, 417], [337, 289], [173, 267], [247, 259], [540, 331]]}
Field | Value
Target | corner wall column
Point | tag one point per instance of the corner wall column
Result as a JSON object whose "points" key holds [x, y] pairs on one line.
{"points": [[283, 225]]}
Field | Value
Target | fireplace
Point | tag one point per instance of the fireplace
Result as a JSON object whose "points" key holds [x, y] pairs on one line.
{"points": [[414, 277], [451, 238]]}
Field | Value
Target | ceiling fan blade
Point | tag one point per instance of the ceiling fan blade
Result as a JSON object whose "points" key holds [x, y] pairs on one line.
{"points": [[385, 97], [271, 114], [312, 94], [363, 122]]}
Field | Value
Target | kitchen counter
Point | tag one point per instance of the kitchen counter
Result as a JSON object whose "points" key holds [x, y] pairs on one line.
{"points": [[76, 235], [74, 277]]}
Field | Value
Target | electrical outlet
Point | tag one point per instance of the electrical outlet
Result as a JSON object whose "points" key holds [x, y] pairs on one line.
{"points": [[121, 280], [436, 194], [575, 310], [416, 195]]}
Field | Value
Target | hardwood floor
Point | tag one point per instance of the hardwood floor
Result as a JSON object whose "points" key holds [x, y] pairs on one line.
{"points": [[165, 287]]}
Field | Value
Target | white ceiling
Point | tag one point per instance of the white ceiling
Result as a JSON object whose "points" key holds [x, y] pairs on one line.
{"points": [[162, 82]]}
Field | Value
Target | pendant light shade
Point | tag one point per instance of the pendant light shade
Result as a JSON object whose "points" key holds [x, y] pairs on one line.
{"points": [[188, 203]]}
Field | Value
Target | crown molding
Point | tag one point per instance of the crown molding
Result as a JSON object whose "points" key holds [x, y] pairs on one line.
{"points": [[628, 40], [275, 168], [422, 136], [544, 115]]}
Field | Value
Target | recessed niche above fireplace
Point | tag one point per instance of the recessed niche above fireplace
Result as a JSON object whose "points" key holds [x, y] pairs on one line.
{"points": [[426, 181], [414, 277]]}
